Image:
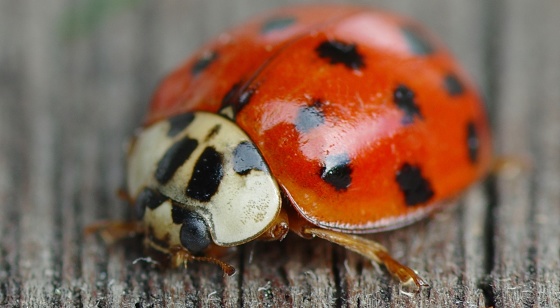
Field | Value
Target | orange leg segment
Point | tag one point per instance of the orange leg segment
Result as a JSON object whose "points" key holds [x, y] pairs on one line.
{"points": [[371, 250], [115, 230]]}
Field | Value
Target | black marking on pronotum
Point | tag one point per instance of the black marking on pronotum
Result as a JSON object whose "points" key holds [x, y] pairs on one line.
{"points": [[179, 122], [163, 242], [246, 158], [231, 95], [414, 186], [417, 41], [203, 62], [150, 198], [473, 143], [337, 171], [340, 52], [213, 132], [229, 98], [453, 85], [194, 233], [310, 117], [174, 158], [178, 213], [237, 97], [404, 98], [277, 23], [207, 175]]}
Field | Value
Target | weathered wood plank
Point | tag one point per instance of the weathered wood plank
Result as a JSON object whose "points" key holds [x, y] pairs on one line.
{"points": [[67, 107], [11, 124], [526, 233]]}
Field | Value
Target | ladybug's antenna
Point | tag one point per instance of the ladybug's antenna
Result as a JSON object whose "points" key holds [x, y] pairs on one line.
{"points": [[228, 269], [180, 256]]}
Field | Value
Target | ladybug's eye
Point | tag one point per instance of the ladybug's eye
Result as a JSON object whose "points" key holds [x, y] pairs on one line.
{"points": [[194, 233]]}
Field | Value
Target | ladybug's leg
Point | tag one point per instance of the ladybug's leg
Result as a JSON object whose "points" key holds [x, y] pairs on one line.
{"points": [[511, 166], [278, 229], [115, 230], [371, 250], [125, 196]]}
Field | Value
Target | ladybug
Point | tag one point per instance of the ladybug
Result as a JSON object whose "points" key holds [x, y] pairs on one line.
{"points": [[329, 121]]}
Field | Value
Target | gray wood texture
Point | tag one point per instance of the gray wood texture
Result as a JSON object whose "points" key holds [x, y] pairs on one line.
{"points": [[75, 79]]}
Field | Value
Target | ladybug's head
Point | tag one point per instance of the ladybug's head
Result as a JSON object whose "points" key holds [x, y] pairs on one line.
{"points": [[197, 179]]}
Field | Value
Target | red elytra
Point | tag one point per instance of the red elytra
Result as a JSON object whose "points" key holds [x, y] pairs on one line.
{"points": [[364, 118]]}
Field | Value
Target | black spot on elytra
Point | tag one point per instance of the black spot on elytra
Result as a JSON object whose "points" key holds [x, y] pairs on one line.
{"points": [[418, 43], [179, 122], [207, 175], [150, 198], [203, 62], [246, 158], [340, 52], [194, 235], [309, 117], [337, 171], [174, 158], [453, 85], [277, 23], [473, 143], [414, 186], [237, 97], [404, 98]]}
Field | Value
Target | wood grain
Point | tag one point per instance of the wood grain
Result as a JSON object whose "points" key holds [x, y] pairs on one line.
{"points": [[68, 103]]}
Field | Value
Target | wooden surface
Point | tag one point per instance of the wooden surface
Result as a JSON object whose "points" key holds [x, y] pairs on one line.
{"points": [[75, 79]]}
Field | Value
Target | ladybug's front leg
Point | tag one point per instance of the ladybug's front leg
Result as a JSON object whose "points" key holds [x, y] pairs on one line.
{"points": [[371, 250], [115, 230]]}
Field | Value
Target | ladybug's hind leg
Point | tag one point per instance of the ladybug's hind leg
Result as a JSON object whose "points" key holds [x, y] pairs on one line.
{"points": [[371, 250]]}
